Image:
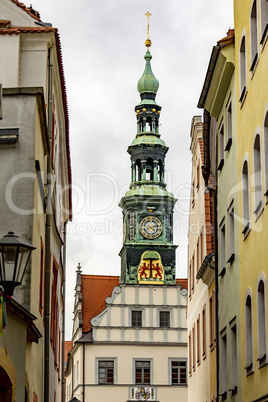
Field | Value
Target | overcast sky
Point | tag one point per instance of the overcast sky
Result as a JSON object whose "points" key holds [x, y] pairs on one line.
{"points": [[103, 49]]}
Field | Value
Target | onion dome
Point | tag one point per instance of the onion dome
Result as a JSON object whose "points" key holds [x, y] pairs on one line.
{"points": [[148, 83]]}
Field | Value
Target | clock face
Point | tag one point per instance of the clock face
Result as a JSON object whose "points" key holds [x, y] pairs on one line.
{"points": [[151, 227]]}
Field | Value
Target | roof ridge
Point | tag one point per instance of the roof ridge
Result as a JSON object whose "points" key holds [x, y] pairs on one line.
{"points": [[29, 10]]}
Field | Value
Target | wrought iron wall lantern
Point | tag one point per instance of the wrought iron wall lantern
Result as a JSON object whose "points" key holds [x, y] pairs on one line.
{"points": [[14, 257]]}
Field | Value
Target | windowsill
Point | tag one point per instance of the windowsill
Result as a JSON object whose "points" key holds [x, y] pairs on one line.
{"points": [[243, 96], [220, 166], [233, 390], [254, 65], [264, 37], [246, 231], [204, 356], [223, 272], [224, 396], [228, 145], [249, 369], [262, 361], [231, 259], [258, 211]]}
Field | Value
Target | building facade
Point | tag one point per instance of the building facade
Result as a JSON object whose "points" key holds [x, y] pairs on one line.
{"points": [[130, 336], [201, 283], [35, 194], [251, 61]]}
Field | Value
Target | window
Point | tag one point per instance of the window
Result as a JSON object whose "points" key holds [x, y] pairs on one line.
{"points": [[178, 372], [42, 277], [136, 318], [257, 177], [193, 274], [198, 177], [204, 332], [245, 196], [212, 321], [242, 59], [254, 35], [231, 234], [201, 247], [193, 336], [223, 366], [142, 372], [249, 334], [222, 248], [261, 323], [132, 223], [233, 341], [169, 227], [106, 372], [149, 169], [190, 352], [221, 147], [197, 256], [264, 20], [265, 134], [198, 340], [190, 280], [229, 125], [164, 319]]}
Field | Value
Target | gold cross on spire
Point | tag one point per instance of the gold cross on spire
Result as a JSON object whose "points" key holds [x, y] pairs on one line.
{"points": [[148, 42]]}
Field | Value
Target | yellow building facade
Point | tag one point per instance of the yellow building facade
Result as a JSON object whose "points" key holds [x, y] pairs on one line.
{"points": [[251, 60]]}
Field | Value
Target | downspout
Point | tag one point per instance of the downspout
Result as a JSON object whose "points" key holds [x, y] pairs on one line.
{"points": [[216, 292], [63, 315], [84, 368], [48, 231]]}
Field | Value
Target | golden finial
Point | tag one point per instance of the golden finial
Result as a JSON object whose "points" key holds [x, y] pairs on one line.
{"points": [[148, 42]]}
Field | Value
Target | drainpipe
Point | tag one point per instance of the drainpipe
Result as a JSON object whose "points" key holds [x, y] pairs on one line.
{"points": [[84, 365], [216, 293], [48, 232], [63, 315]]}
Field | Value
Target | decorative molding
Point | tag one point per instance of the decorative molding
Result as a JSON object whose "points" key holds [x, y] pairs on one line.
{"points": [[115, 293]]}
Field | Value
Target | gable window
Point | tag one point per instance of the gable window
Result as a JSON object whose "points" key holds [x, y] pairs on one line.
{"points": [[242, 59], [249, 334], [164, 319], [254, 35], [178, 372], [264, 20], [106, 372], [245, 197], [261, 323], [136, 318], [257, 177], [142, 372]]}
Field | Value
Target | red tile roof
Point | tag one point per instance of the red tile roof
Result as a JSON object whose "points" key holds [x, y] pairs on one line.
{"points": [[183, 282], [67, 348], [228, 39], [29, 10], [95, 289]]}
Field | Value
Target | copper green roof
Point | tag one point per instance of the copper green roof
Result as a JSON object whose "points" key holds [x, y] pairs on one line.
{"points": [[148, 82], [148, 139]]}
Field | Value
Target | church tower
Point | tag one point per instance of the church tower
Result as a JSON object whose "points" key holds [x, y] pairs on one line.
{"points": [[148, 252]]}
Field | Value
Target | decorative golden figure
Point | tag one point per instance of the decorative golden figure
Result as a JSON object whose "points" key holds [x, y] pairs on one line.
{"points": [[148, 42]]}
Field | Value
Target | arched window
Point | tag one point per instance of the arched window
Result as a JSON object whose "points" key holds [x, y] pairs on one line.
{"points": [[264, 20], [149, 169], [265, 134], [245, 196], [138, 170], [242, 58], [257, 175], [254, 35], [249, 333], [261, 322]]}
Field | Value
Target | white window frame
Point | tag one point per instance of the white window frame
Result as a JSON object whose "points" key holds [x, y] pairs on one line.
{"points": [[254, 44], [245, 197], [257, 175], [176, 359], [134, 360], [99, 359], [249, 334], [264, 21], [243, 68]]}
